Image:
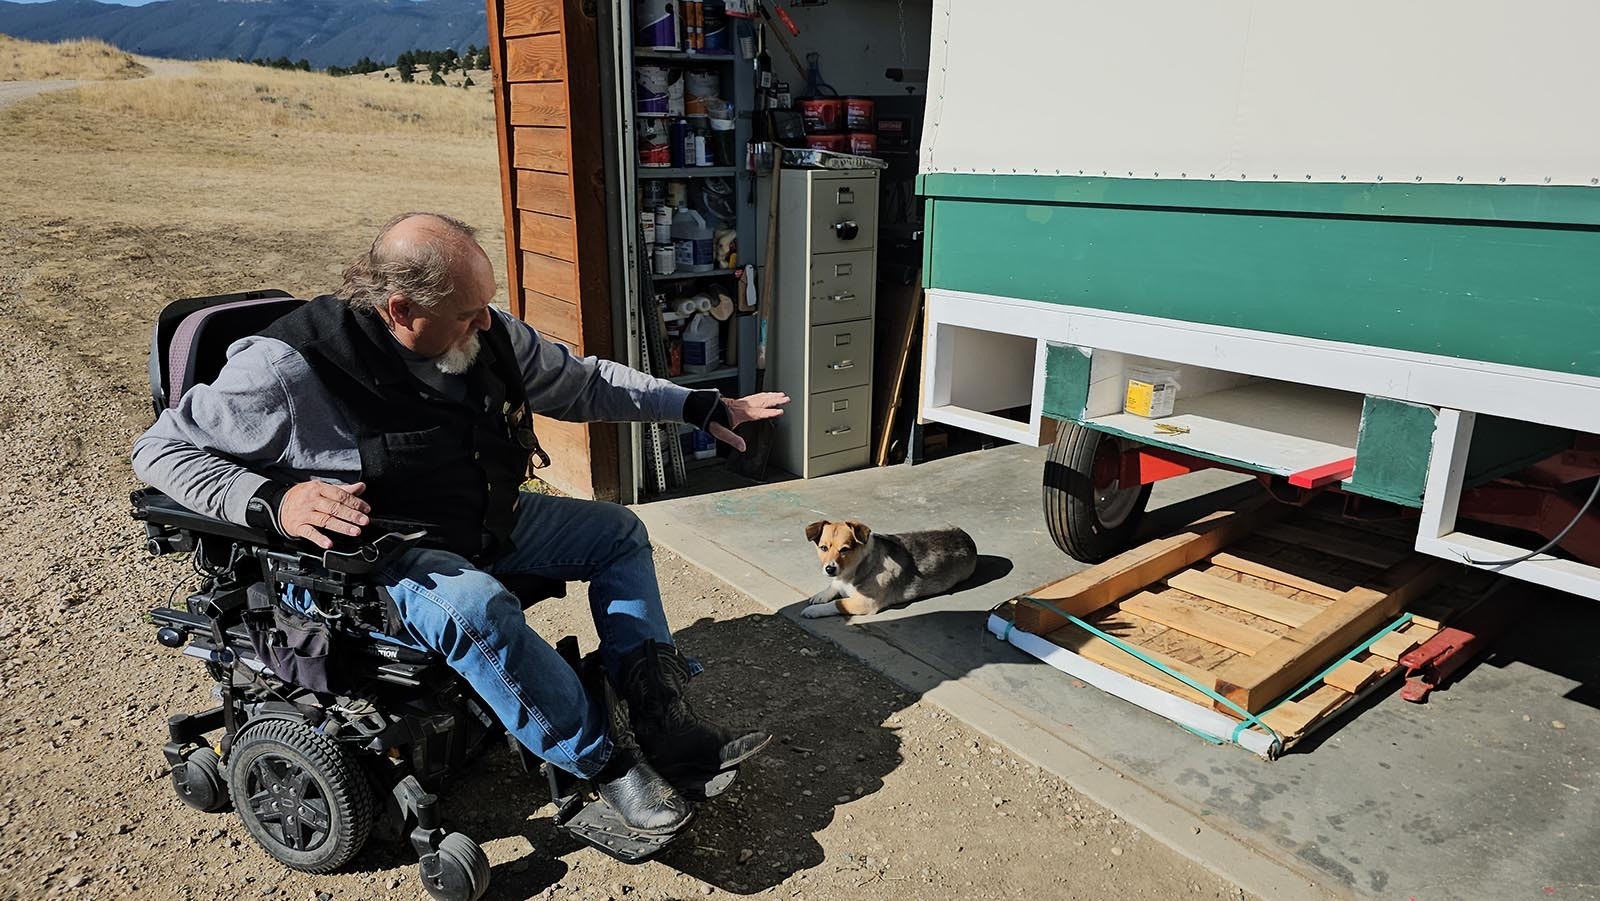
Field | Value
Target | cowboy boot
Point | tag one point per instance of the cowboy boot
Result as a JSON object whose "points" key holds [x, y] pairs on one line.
{"points": [[633, 788], [675, 739]]}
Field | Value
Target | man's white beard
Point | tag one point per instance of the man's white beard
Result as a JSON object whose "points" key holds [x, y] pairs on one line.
{"points": [[459, 358]]}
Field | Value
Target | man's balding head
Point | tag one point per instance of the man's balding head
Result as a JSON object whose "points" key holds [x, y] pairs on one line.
{"points": [[429, 258]]}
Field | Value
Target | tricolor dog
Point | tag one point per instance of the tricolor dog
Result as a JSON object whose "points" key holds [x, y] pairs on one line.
{"points": [[871, 572]]}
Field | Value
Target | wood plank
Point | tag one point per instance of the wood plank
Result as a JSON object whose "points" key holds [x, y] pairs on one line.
{"points": [[899, 309], [541, 149], [1199, 623], [568, 445], [1295, 717], [1107, 654], [539, 103], [1393, 645], [538, 58], [551, 236], [1264, 604], [1372, 555], [1131, 571], [544, 192], [1351, 676], [1254, 682], [550, 276], [524, 17], [552, 317], [1315, 585]]}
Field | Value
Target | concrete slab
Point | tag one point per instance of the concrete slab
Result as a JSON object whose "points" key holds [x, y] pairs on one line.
{"points": [[1478, 794]]}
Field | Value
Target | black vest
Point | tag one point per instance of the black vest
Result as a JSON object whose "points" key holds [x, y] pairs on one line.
{"points": [[452, 468]]}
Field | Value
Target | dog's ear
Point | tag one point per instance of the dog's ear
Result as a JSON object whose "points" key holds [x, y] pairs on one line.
{"points": [[814, 531], [860, 531]]}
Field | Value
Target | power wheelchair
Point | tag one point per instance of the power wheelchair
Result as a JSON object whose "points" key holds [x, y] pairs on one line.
{"points": [[325, 730]]}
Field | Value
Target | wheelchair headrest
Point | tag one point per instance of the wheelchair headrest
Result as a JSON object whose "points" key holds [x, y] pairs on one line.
{"points": [[191, 338]]}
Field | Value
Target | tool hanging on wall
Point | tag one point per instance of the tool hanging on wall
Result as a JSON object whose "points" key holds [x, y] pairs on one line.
{"points": [[759, 436], [789, 23], [815, 86]]}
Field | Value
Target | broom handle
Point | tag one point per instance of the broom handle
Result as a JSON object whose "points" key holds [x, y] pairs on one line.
{"points": [[764, 311]]}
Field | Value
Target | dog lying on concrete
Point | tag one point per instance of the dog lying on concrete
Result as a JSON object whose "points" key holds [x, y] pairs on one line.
{"points": [[871, 572]]}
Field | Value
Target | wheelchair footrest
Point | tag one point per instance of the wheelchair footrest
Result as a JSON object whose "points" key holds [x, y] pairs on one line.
{"points": [[596, 823]]}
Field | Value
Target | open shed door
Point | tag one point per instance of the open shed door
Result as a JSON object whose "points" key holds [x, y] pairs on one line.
{"points": [[552, 179]]}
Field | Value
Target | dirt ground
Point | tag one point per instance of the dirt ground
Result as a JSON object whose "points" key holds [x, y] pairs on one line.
{"points": [[867, 793]]}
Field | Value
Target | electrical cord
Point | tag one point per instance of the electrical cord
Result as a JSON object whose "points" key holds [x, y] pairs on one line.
{"points": [[1502, 564]]}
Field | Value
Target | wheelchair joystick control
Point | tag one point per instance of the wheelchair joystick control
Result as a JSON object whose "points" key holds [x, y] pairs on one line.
{"points": [[172, 638]]}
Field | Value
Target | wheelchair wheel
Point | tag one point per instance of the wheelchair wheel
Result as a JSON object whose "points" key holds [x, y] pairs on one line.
{"points": [[198, 781], [458, 872], [300, 795]]}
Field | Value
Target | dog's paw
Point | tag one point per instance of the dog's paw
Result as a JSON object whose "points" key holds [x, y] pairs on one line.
{"points": [[814, 611]]}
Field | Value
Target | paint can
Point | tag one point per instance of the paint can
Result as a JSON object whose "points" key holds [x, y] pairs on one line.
{"points": [[863, 143], [655, 150], [860, 114], [677, 194], [700, 86], [716, 28], [660, 90], [823, 115], [663, 223], [658, 25]]}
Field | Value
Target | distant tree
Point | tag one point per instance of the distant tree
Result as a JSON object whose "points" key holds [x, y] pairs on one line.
{"points": [[405, 63], [467, 82], [303, 65], [436, 78], [338, 71]]}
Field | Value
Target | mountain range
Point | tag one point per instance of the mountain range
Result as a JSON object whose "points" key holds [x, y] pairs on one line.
{"points": [[324, 32]]}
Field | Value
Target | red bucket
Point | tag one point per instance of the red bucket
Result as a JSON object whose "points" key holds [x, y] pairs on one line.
{"points": [[835, 143], [863, 144], [824, 115], [860, 115]]}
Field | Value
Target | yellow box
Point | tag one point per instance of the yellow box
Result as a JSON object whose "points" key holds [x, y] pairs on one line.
{"points": [[1150, 394]]}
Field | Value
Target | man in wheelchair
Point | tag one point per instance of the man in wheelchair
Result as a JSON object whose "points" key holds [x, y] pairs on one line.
{"points": [[349, 480]]}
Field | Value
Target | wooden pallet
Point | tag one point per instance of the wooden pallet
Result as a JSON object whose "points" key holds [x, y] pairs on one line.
{"points": [[1251, 605]]}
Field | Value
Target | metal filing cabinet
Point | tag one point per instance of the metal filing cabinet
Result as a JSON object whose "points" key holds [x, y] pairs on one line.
{"points": [[822, 327]]}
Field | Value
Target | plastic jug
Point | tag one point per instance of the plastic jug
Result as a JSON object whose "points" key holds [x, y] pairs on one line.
{"points": [[702, 350], [691, 241]]}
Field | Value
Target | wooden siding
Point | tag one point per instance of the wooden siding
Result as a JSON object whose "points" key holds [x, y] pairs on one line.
{"points": [[547, 105]]}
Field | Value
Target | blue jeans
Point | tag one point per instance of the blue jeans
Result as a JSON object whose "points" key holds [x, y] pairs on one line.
{"points": [[465, 614]]}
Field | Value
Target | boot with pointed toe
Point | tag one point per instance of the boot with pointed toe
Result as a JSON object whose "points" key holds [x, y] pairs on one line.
{"points": [[634, 789], [676, 740]]}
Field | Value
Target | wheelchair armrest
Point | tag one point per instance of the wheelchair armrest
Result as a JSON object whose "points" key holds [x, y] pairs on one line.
{"points": [[151, 506], [368, 557], [347, 556]]}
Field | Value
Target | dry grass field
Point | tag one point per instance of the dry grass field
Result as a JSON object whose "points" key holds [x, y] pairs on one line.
{"points": [[85, 59], [121, 196]]}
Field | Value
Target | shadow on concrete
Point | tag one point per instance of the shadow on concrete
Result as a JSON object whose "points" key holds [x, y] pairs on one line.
{"points": [[830, 745]]}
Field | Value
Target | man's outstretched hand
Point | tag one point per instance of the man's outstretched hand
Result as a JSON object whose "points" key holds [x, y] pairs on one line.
{"points": [[766, 405], [313, 508]]}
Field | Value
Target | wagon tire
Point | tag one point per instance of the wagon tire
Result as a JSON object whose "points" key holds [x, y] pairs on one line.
{"points": [[1090, 522]]}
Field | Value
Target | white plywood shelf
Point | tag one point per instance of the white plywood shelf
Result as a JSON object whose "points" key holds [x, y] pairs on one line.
{"points": [[1279, 427]]}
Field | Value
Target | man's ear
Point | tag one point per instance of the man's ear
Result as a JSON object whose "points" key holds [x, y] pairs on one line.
{"points": [[814, 531], [401, 310], [860, 531]]}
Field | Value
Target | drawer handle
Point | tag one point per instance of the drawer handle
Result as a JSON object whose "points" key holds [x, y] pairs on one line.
{"points": [[844, 269], [842, 364], [840, 430], [846, 297], [847, 230], [845, 195]]}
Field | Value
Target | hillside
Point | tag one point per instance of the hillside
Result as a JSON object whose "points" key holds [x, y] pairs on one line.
{"points": [[89, 60], [324, 32]]}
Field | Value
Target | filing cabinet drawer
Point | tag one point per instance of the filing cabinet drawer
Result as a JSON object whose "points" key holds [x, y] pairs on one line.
{"points": [[841, 355], [838, 420], [844, 214], [841, 286]]}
